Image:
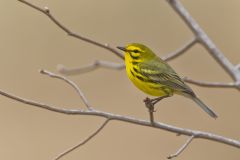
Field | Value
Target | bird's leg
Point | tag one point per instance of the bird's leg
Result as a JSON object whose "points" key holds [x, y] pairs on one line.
{"points": [[156, 100], [150, 107], [149, 103]]}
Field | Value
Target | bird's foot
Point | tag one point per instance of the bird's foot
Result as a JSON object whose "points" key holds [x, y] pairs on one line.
{"points": [[149, 103]]}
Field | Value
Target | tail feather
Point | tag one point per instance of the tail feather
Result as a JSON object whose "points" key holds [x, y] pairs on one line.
{"points": [[204, 107]]}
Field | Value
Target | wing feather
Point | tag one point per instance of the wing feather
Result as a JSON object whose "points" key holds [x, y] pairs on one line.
{"points": [[164, 75]]}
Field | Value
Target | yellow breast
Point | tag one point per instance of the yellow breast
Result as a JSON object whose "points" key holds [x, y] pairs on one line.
{"points": [[141, 82]]}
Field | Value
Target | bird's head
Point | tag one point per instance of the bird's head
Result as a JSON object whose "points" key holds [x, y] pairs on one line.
{"points": [[137, 51]]}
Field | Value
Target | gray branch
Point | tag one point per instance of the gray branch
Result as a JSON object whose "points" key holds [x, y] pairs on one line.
{"points": [[200, 36], [212, 84], [71, 83], [181, 50], [90, 67], [159, 125], [47, 12], [119, 66], [205, 40], [94, 112]]}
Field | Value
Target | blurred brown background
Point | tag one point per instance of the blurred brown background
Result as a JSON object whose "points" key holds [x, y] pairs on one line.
{"points": [[29, 41]]}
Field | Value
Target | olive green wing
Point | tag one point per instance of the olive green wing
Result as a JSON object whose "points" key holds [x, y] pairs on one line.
{"points": [[160, 72]]}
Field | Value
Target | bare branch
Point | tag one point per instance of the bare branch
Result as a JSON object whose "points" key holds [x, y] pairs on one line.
{"points": [[181, 50], [47, 12], [238, 66], [119, 66], [183, 147], [159, 125], [71, 83], [212, 84], [84, 141], [205, 40], [90, 67]]}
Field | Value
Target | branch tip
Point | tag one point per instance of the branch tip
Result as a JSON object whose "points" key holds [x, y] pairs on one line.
{"points": [[182, 148], [84, 141], [45, 72], [72, 84], [41, 71]]}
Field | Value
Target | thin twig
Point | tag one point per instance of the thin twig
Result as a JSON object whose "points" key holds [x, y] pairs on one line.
{"points": [[71, 83], [90, 67], [118, 66], [181, 50], [205, 40], [159, 125], [212, 84], [47, 12], [182, 148], [84, 141], [238, 66]]}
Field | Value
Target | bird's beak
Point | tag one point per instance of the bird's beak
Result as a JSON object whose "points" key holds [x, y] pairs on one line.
{"points": [[122, 48]]}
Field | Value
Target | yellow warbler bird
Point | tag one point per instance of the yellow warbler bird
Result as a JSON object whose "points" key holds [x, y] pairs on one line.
{"points": [[154, 76]]}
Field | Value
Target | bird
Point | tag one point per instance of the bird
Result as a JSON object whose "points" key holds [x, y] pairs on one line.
{"points": [[155, 77]]}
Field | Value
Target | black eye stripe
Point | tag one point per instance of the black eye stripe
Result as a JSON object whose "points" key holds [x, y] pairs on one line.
{"points": [[136, 51], [134, 56]]}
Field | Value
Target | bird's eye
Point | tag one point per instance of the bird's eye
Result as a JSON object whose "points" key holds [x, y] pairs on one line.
{"points": [[136, 51]]}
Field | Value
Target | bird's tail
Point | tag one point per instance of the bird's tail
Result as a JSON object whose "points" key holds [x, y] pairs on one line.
{"points": [[204, 107]]}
